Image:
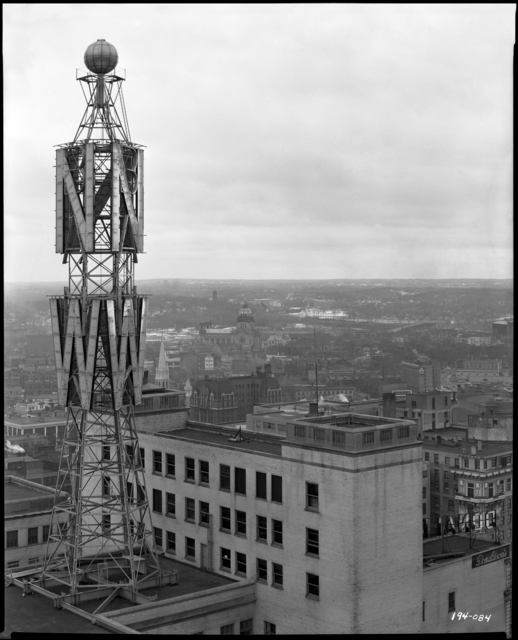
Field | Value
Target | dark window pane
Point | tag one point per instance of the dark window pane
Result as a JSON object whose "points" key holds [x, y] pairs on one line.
{"points": [[276, 489], [260, 485], [240, 481], [171, 468], [224, 477]]}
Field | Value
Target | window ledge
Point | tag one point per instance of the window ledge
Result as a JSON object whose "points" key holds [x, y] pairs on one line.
{"points": [[277, 586], [157, 473], [226, 531], [262, 581], [190, 559], [223, 489], [261, 540], [241, 574], [240, 535], [189, 480], [278, 545], [312, 555], [312, 509], [171, 515], [168, 475], [225, 569], [310, 596], [203, 524], [190, 521]]}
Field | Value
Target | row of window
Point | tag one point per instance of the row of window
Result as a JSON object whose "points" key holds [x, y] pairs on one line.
{"points": [[504, 461], [32, 536]]}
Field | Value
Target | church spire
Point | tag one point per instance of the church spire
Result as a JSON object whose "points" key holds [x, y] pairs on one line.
{"points": [[162, 372]]}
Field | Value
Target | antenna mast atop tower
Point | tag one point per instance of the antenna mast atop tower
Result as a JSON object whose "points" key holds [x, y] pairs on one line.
{"points": [[102, 536]]}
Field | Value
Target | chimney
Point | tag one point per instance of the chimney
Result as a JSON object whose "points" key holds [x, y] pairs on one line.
{"points": [[479, 445], [313, 408]]}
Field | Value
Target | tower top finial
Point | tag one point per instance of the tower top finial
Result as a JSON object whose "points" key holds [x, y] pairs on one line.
{"points": [[101, 57]]}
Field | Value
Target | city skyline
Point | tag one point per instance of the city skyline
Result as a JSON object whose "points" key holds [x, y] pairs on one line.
{"points": [[283, 142]]}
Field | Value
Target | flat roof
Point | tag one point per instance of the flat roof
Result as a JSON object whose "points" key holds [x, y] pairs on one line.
{"points": [[37, 614], [216, 435], [454, 544], [14, 492], [35, 422], [488, 448]]}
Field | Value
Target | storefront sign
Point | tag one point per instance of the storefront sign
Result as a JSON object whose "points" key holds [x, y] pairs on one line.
{"points": [[490, 556]]}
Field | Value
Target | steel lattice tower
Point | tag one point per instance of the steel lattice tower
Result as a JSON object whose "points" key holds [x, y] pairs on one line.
{"points": [[99, 329]]}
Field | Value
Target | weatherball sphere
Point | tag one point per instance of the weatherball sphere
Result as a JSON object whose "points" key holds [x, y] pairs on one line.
{"points": [[101, 57]]}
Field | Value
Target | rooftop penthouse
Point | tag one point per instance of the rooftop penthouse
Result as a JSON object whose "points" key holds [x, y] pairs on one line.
{"points": [[352, 433]]}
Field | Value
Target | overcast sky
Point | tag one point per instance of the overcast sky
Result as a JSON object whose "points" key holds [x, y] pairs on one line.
{"points": [[282, 141]]}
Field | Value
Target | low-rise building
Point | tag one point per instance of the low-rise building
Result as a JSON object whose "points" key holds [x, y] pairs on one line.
{"points": [[27, 514]]}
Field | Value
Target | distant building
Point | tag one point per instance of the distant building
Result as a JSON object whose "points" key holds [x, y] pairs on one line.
{"points": [[162, 371], [223, 400], [27, 512], [470, 485], [503, 330], [422, 376]]}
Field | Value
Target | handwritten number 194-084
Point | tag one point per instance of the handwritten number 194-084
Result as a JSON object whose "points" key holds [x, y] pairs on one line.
{"points": [[463, 616]]}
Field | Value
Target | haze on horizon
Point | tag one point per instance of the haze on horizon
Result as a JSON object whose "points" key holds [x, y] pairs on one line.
{"points": [[282, 141]]}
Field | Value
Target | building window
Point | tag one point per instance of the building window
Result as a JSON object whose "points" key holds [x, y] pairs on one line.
{"points": [[451, 505], [466, 463], [312, 586], [142, 458], [189, 470], [262, 530], [493, 462], [33, 536], [225, 519], [106, 486], [190, 510], [311, 496], [240, 563], [270, 629], [436, 503], [225, 560], [403, 432], [262, 571], [170, 461], [312, 542], [436, 458], [368, 437], [224, 477], [451, 601], [171, 542], [446, 475], [386, 435], [424, 493], [204, 514], [260, 485], [446, 487], [157, 462], [246, 627], [106, 452], [240, 481], [240, 523], [227, 630], [14, 564], [508, 485], [424, 508], [190, 548], [277, 532], [277, 489], [423, 610], [300, 431], [157, 501], [158, 536], [277, 575], [446, 460], [338, 437], [319, 435], [457, 462], [46, 530], [477, 464], [204, 472], [427, 456], [170, 508], [105, 524]]}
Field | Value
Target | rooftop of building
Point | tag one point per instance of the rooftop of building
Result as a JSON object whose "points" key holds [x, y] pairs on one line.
{"points": [[464, 446], [23, 496], [35, 421], [37, 614], [454, 544], [221, 435]]}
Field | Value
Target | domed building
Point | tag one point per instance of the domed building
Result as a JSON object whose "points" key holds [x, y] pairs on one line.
{"points": [[245, 320]]}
